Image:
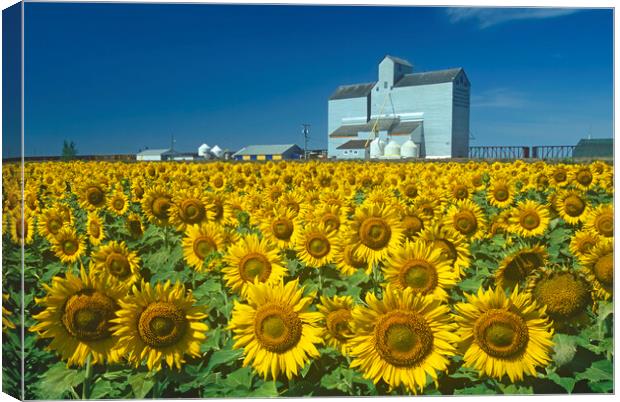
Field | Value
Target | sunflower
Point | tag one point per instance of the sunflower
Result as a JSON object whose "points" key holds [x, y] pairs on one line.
{"points": [[49, 222], [582, 243], [504, 335], [421, 267], [600, 220], [375, 232], [159, 323], [252, 259], [402, 338], [346, 259], [564, 292], [6, 313], [413, 221], [467, 218], [189, 208], [279, 227], [500, 193], [67, 245], [115, 260], [315, 245], [276, 329], [77, 315], [518, 263], [22, 227], [118, 203], [529, 219], [92, 194], [459, 190], [454, 247], [333, 217], [156, 205], [336, 318], [134, 226], [95, 228], [200, 242], [409, 189], [582, 177], [137, 190], [599, 268], [559, 176], [572, 206]]}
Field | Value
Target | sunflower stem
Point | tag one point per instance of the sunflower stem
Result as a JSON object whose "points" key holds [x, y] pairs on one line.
{"points": [[87, 378]]}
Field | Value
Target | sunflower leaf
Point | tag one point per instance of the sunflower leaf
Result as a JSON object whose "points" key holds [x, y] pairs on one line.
{"points": [[58, 380], [599, 371], [223, 356], [141, 384], [564, 349]]}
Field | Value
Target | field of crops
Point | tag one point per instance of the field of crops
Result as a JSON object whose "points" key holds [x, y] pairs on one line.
{"points": [[295, 279]]}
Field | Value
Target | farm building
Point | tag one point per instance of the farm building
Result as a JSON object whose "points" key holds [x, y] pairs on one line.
{"points": [[430, 109], [269, 152], [594, 148], [152, 155]]}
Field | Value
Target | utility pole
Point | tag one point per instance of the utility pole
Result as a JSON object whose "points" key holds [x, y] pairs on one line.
{"points": [[306, 132], [172, 141]]}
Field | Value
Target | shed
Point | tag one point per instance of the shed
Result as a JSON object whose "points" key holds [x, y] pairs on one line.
{"points": [[594, 148], [269, 152], [152, 154]]}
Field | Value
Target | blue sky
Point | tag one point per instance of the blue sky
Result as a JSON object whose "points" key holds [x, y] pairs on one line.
{"points": [[118, 77]]}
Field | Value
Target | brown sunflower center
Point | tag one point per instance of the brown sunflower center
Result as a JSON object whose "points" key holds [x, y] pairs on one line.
{"points": [[139, 192], [501, 193], [584, 177], [203, 246], [135, 227], [448, 251], [118, 265], [192, 211], [419, 275], [218, 182], [574, 205], [118, 204], [160, 207], [465, 222], [375, 233], [317, 245], [54, 225], [95, 195], [70, 246], [564, 295], [331, 221], [282, 228], [351, 259], [277, 328], [413, 225], [529, 220], [604, 224], [86, 315], [501, 333], [460, 192], [520, 266], [411, 190], [337, 323], [559, 176], [254, 265], [94, 229], [604, 269], [403, 338], [477, 180], [162, 324]]}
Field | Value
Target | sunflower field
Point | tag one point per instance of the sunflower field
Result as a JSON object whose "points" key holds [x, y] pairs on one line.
{"points": [[224, 279]]}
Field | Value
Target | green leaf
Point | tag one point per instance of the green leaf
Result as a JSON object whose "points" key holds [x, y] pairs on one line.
{"points": [[480, 389], [514, 389], [240, 378], [568, 383], [564, 349], [266, 390], [103, 388], [58, 380], [141, 384], [469, 285], [602, 386], [599, 371], [223, 356]]}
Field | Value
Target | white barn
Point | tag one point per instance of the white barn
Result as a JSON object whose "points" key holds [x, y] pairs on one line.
{"points": [[430, 109]]}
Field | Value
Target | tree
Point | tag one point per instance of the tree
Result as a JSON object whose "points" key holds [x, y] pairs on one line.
{"points": [[68, 150]]}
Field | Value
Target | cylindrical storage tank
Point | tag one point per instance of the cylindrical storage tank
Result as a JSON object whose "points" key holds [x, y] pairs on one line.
{"points": [[409, 149], [392, 149], [203, 150], [217, 151], [376, 147]]}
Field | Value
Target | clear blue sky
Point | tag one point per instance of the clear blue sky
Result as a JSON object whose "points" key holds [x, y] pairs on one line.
{"points": [[118, 77]]}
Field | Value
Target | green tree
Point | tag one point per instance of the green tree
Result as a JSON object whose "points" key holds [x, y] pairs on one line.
{"points": [[68, 150]]}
